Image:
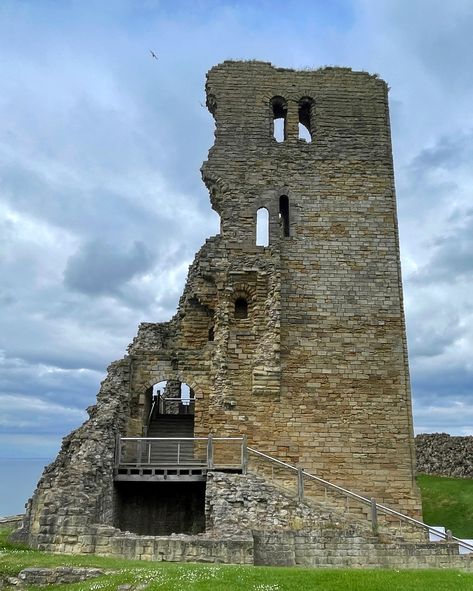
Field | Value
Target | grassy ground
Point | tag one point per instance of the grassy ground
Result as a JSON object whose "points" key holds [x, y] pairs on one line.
{"points": [[195, 577], [448, 502]]}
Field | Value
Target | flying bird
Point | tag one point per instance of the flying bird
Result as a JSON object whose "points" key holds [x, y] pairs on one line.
{"points": [[153, 54]]}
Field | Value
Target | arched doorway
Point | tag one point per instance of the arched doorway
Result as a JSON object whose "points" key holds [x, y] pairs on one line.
{"points": [[170, 397], [164, 491]]}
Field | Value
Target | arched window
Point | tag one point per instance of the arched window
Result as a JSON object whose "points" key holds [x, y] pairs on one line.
{"points": [[279, 113], [262, 227], [241, 308], [284, 214], [305, 119]]}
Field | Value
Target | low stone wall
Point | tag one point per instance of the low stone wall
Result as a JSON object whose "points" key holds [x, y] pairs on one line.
{"points": [[326, 549], [445, 455], [109, 541]]}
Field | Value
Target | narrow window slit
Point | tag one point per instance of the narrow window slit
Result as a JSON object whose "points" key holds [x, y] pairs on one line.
{"points": [[262, 227], [284, 214]]}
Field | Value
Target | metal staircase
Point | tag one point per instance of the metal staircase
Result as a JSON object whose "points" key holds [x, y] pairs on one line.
{"points": [[178, 431]]}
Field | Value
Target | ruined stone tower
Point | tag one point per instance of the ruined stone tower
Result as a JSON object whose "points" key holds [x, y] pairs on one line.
{"points": [[298, 344]]}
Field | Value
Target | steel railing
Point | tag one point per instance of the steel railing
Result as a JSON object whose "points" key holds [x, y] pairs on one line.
{"points": [[373, 508], [173, 405], [150, 416], [202, 452]]}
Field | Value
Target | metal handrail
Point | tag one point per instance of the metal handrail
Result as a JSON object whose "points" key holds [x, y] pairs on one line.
{"points": [[153, 406], [180, 438], [364, 500], [147, 442], [174, 399]]}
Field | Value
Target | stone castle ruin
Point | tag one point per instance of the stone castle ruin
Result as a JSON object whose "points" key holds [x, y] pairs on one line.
{"points": [[286, 357]]}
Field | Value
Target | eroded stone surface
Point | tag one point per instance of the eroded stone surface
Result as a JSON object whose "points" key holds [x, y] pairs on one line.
{"points": [[237, 503]]}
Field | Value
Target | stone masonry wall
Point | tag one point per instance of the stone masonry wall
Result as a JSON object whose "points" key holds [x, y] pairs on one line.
{"points": [[343, 407], [325, 549]]}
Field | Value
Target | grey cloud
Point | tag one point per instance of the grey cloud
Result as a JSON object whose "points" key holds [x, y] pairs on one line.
{"points": [[451, 257], [74, 387], [442, 400], [101, 268], [431, 333], [32, 415], [7, 298], [449, 152]]}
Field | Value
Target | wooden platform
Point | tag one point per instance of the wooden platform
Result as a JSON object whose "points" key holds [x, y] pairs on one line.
{"points": [[160, 473]]}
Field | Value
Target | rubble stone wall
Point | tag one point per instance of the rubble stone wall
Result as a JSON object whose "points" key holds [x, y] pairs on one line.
{"points": [[445, 455], [77, 488], [237, 503]]}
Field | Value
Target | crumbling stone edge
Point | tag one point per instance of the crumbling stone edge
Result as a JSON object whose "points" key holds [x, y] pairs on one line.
{"points": [[52, 576]]}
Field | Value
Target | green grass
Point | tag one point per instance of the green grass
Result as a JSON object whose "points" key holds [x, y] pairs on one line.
{"points": [[197, 577], [448, 502]]}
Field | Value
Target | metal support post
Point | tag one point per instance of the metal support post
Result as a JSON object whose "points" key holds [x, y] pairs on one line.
{"points": [[244, 455], [140, 452], [210, 452], [374, 516], [300, 483], [118, 450]]}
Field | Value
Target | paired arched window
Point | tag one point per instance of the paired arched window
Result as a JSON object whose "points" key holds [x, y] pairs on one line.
{"points": [[279, 111]]}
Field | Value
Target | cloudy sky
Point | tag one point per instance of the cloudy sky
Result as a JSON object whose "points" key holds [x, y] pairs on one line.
{"points": [[102, 207]]}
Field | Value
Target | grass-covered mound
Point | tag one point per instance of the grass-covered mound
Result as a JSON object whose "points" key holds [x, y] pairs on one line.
{"points": [[158, 576], [448, 502]]}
